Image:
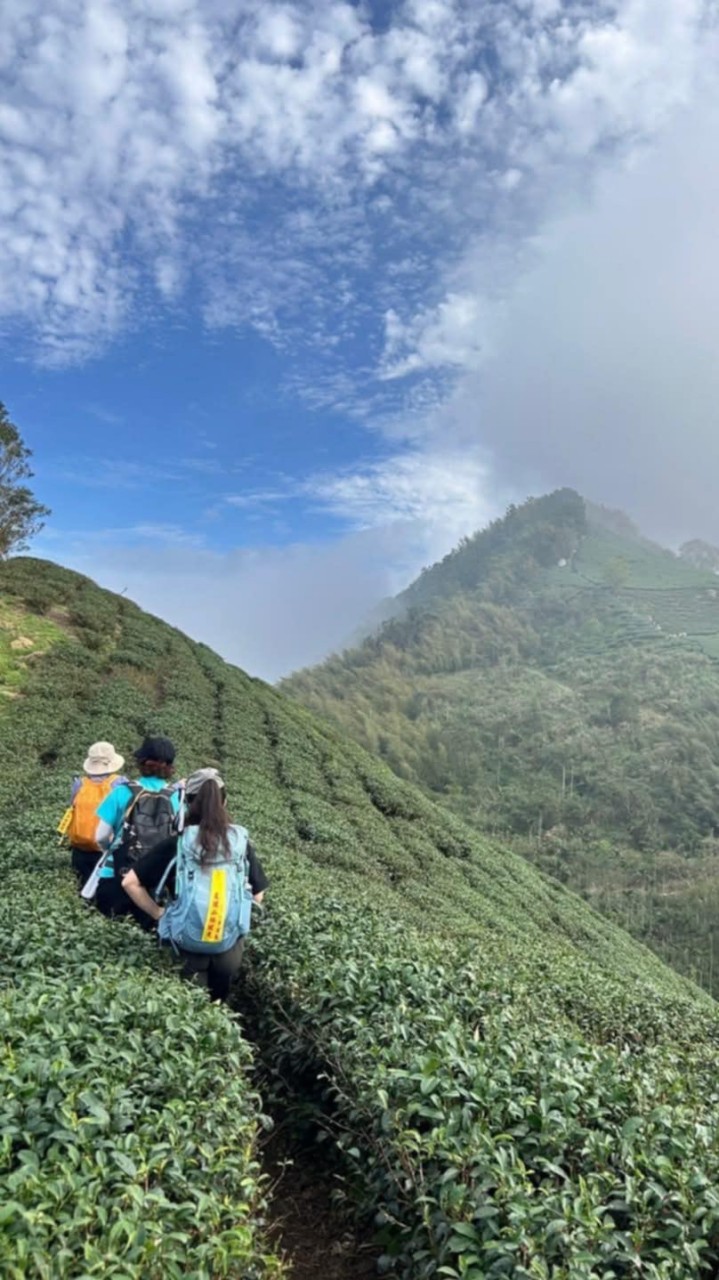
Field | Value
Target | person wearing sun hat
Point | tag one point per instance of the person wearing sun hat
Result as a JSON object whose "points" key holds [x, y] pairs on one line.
{"points": [[102, 759], [102, 769], [208, 842]]}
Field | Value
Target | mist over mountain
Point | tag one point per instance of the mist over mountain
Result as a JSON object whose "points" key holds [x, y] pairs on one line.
{"points": [[555, 679]]}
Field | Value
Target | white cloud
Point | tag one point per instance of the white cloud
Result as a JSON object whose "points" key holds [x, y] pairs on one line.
{"points": [[150, 534], [178, 475], [137, 142], [279, 34], [257, 498], [449, 335], [471, 99], [634, 67], [441, 494], [583, 94]]}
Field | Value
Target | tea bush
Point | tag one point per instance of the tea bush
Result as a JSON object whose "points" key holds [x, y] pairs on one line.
{"points": [[127, 1112], [494, 1136], [516, 1088], [127, 1116]]}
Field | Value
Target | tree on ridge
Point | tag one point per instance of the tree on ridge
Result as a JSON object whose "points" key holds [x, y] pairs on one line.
{"points": [[21, 515]]}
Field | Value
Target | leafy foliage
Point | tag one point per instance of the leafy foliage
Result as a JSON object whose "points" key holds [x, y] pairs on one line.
{"points": [[516, 1087], [570, 708], [126, 1112], [21, 515]]}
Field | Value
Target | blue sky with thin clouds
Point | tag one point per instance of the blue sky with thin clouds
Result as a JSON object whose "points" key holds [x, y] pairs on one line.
{"points": [[292, 296]]}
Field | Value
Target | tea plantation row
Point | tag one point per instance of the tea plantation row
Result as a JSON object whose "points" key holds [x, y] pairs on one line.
{"points": [[127, 1117], [127, 1110], [516, 1088]]}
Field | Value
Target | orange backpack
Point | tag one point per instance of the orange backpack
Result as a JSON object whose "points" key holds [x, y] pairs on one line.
{"points": [[83, 824]]}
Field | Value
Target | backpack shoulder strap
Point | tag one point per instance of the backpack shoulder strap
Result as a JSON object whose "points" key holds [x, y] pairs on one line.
{"points": [[239, 839], [165, 877], [186, 862], [137, 791]]}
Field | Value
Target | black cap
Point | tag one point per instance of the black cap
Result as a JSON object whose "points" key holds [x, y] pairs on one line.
{"points": [[158, 749]]}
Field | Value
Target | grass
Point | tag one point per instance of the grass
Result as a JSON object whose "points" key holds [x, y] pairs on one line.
{"points": [[23, 637]]}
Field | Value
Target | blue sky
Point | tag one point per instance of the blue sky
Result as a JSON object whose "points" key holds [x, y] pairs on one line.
{"points": [[294, 296]]}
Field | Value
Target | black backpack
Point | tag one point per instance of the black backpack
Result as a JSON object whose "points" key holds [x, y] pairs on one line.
{"points": [[149, 818]]}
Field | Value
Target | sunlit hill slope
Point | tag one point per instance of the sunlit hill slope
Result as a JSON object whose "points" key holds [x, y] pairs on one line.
{"points": [[515, 1086]]}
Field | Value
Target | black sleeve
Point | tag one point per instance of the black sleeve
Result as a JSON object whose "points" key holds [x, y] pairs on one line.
{"points": [[152, 866], [258, 879]]}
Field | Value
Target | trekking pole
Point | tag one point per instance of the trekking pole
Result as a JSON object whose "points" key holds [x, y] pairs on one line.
{"points": [[180, 820], [89, 889]]}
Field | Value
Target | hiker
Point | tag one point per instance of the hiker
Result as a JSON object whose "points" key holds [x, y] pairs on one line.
{"points": [[213, 875], [132, 819], [102, 775]]}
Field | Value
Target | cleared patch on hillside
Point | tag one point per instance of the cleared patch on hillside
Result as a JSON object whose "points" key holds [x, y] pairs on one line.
{"points": [[23, 638]]}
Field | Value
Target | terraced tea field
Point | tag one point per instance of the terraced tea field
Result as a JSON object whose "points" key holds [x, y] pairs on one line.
{"points": [[514, 1087]]}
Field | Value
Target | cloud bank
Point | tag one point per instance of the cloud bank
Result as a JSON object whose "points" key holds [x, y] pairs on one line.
{"points": [[274, 609], [268, 610], [604, 372], [485, 233]]}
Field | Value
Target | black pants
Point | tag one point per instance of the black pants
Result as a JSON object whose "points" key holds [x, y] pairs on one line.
{"points": [[112, 901], [83, 864], [216, 973]]}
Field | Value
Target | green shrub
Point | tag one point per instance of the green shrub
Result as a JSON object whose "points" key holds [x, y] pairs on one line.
{"points": [[127, 1131], [487, 1134], [517, 1088], [127, 1117]]}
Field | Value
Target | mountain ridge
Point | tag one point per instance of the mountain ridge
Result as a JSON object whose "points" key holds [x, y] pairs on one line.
{"points": [[554, 680]]}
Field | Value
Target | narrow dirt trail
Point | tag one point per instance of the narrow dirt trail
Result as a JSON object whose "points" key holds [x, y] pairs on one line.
{"points": [[312, 1232], [307, 1225]]}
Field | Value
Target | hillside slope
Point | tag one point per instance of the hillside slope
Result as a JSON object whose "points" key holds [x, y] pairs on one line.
{"points": [[516, 1087], [555, 681]]}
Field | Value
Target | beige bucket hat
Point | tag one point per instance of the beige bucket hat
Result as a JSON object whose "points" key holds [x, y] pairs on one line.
{"points": [[103, 758]]}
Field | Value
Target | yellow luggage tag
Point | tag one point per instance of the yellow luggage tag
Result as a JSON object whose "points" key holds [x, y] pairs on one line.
{"points": [[63, 825]]}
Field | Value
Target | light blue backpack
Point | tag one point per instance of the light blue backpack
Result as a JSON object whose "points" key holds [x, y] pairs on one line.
{"points": [[213, 902]]}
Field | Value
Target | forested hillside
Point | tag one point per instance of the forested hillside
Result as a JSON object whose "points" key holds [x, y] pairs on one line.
{"points": [[515, 1087], [555, 680]]}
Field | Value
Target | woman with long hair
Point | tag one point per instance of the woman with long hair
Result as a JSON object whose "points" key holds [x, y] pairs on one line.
{"points": [[195, 866]]}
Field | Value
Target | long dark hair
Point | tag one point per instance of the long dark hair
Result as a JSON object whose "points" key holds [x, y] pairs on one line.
{"points": [[206, 809]]}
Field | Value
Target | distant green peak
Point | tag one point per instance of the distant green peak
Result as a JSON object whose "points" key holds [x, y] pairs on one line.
{"points": [[534, 534]]}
